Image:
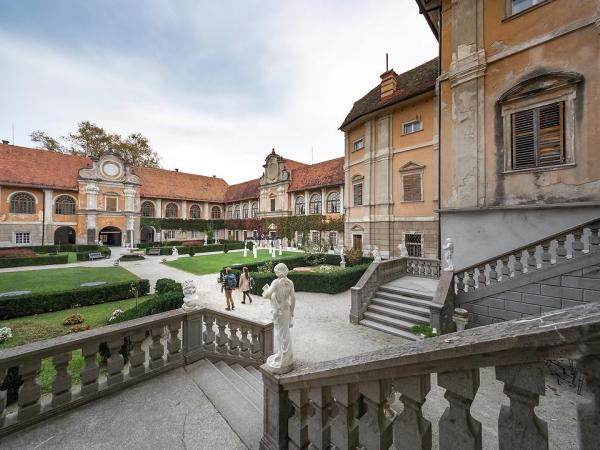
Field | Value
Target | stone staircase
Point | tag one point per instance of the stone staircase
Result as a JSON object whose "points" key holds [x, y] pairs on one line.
{"points": [[236, 392], [399, 305]]}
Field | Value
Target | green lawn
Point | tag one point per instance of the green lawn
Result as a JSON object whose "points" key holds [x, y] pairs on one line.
{"points": [[201, 265], [49, 280]]}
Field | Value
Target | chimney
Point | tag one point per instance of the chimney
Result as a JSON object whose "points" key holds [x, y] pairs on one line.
{"points": [[5, 142], [388, 83], [176, 170]]}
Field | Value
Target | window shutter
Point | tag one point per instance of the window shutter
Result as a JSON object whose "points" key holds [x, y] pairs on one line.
{"points": [[523, 126], [411, 187], [551, 134]]}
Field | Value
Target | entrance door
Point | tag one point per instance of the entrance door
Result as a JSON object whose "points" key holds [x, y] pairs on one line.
{"points": [[64, 235], [357, 242], [147, 235], [111, 236]]}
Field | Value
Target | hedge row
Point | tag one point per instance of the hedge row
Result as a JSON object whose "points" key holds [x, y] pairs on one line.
{"points": [[85, 256], [28, 304], [76, 248], [154, 305], [304, 260], [184, 250], [34, 261], [185, 244]]}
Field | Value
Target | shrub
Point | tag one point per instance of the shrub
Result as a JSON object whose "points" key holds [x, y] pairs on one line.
{"points": [[250, 245], [423, 330], [354, 256], [164, 285], [37, 303], [225, 248], [5, 333], [191, 252], [34, 261], [154, 305], [116, 313], [73, 319], [80, 327], [165, 251]]}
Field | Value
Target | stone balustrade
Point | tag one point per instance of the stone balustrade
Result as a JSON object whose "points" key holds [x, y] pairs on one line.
{"points": [[345, 403], [154, 344], [423, 267], [567, 245]]}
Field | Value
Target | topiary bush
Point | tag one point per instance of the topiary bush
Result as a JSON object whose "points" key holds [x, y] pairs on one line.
{"points": [[164, 285], [73, 319]]}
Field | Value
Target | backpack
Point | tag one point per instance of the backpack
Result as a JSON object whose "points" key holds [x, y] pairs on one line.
{"points": [[251, 283], [231, 281]]}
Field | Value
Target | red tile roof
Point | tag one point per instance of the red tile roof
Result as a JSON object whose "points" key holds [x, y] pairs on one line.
{"points": [[409, 84], [23, 166], [248, 190], [326, 173]]}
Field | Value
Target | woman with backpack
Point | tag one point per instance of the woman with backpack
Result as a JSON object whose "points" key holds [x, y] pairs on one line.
{"points": [[229, 283], [246, 282]]}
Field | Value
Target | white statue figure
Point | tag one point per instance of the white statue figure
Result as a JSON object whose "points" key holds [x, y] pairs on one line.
{"points": [[190, 296], [448, 253], [343, 260], [272, 250], [175, 252], [402, 249], [376, 254], [280, 248], [255, 250], [283, 300], [245, 248]]}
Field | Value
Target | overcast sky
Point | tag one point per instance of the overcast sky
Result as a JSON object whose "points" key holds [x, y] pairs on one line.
{"points": [[213, 84]]}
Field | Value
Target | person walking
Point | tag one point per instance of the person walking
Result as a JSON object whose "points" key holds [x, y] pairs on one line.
{"points": [[245, 285], [229, 283]]}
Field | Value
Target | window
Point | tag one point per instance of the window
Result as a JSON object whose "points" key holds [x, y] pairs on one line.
{"points": [[169, 235], [357, 193], [412, 187], [333, 238], [412, 127], [254, 210], [315, 204], [64, 205], [272, 204], [300, 237], [112, 203], [171, 211], [299, 207], [245, 210], [358, 145], [22, 203], [215, 212], [414, 244], [236, 212], [333, 203], [147, 209], [230, 212], [195, 234], [195, 212], [516, 6], [538, 136], [315, 237], [22, 237]]}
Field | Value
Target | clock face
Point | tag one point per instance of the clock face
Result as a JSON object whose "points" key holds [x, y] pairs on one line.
{"points": [[111, 169], [272, 170]]}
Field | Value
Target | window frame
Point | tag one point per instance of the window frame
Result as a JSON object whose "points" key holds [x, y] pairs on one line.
{"points": [[411, 122], [245, 211], [31, 204], [22, 234], [196, 206], [254, 210], [167, 216], [299, 201], [148, 202], [315, 206], [168, 233], [333, 242], [236, 212], [508, 9], [111, 197], [333, 206], [212, 212], [273, 204], [355, 184], [58, 203], [356, 141], [403, 194], [412, 245]]}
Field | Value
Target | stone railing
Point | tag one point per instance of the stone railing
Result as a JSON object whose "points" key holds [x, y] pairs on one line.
{"points": [[383, 272], [155, 344], [539, 255], [345, 403]]}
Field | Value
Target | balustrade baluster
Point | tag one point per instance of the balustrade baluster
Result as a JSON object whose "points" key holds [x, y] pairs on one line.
{"points": [[493, 274], [375, 428], [460, 284], [344, 426], [481, 279], [427, 270], [458, 429], [244, 342], [588, 413], [61, 386], [577, 244], [470, 280], [518, 265], [208, 336], [174, 343], [594, 238], [115, 362], [90, 371], [157, 349], [297, 423], [411, 429], [30, 391], [546, 256], [137, 356], [531, 259], [518, 424], [561, 248], [3, 371], [256, 346], [234, 340], [505, 268], [222, 338], [319, 433]]}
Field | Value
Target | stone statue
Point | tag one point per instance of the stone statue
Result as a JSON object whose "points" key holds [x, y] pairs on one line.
{"points": [[255, 250], [245, 248], [280, 248], [343, 260], [448, 253], [283, 300], [175, 252], [190, 296], [376, 254], [402, 249]]}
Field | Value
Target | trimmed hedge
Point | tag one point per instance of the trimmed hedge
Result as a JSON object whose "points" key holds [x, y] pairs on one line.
{"points": [[28, 304], [85, 256], [157, 304], [184, 250], [164, 285], [34, 261], [292, 262]]}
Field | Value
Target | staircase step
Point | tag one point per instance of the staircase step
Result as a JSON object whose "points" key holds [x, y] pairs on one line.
{"points": [[401, 306], [390, 321], [405, 292], [249, 378], [254, 371], [397, 314], [239, 412], [387, 329], [403, 299], [240, 383]]}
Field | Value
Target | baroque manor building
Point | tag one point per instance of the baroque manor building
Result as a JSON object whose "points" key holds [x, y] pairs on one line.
{"points": [[48, 197]]}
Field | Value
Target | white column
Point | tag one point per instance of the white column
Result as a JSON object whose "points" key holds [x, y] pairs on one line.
{"points": [[159, 208], [323, 201], [206, 211], [342, 199], [49, 205], [184, 209], [130, 200], [306, 203]]}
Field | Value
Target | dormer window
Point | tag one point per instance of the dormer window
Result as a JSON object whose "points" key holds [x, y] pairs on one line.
{"points": [[412, 127], [358, 145]]}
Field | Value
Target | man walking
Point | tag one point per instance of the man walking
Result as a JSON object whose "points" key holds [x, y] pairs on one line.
{"points": [[229, 284]]}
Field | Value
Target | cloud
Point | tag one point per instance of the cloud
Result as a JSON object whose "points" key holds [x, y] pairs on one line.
{"points": [[213, 85]]}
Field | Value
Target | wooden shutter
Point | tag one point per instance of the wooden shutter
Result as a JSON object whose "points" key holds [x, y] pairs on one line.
{"points": [[551, 134], [411, 187], [523, 135]]}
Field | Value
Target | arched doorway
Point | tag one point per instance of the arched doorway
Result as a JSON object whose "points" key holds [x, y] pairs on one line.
{"points": [[111, 236], [64, 235], [147, 235]]}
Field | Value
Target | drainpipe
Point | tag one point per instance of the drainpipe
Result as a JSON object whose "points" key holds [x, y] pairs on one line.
{"points": [[43, 218]]}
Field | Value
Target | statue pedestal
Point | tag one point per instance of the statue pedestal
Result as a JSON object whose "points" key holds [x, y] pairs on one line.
{"points": [[274, 367]]}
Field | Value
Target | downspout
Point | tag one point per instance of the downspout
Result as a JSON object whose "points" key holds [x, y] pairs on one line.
{"points": [[440, 136], [43, 218]]}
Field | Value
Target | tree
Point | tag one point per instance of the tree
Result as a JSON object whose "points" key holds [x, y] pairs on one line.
{"points": [[93, 141]]}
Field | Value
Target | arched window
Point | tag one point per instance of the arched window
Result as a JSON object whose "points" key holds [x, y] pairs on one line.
{"points": [[64, 205], [315, 204], [333, 203], [147, 209], [236, 212], [22, 203], [230, 212], [300, 206], [215, 212], [171, 211], [195, 212], [254, 210], [245, 211]]}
